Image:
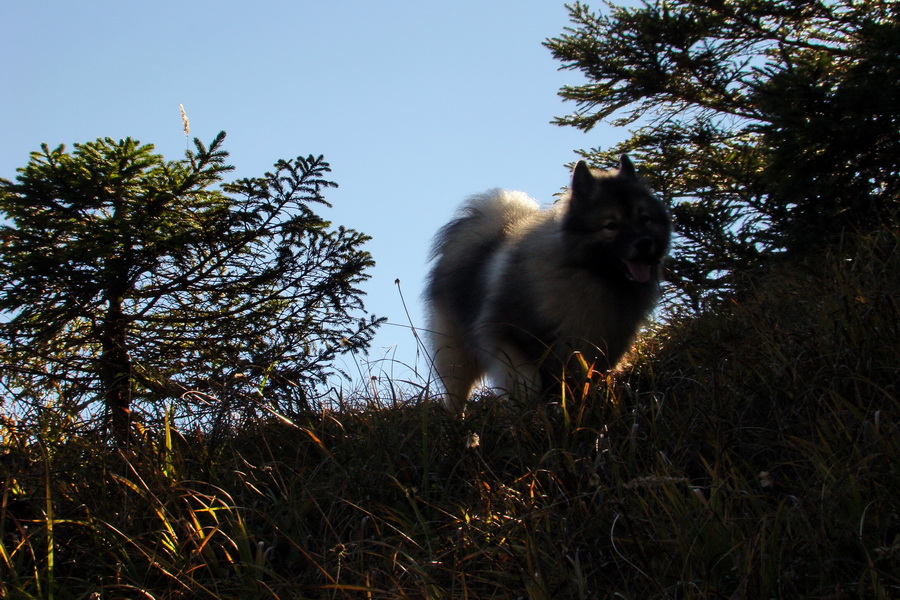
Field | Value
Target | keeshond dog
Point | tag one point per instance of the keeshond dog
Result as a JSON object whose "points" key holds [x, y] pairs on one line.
{"points": [[516, 290]]}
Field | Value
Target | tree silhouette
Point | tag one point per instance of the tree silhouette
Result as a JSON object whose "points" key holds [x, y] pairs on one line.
{"points": [[771, 126], [128, 280]]}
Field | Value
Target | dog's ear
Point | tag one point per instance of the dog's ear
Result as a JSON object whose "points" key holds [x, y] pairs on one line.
{"points": [[582, 181], [626, 167]]}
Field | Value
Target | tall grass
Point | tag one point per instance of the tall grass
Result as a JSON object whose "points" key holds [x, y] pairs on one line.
{"points": [[749, 453]]}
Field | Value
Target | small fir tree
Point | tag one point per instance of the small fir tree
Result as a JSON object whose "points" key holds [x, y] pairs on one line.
{"points": [[130, 281]]}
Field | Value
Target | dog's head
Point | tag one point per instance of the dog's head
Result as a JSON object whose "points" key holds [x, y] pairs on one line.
{"points": [[614, 225]]}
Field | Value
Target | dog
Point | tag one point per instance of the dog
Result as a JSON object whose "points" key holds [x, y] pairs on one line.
{"points": [[516, 290]]}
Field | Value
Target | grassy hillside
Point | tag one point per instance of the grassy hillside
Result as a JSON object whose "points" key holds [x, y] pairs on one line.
{"points": [[751, 453]]}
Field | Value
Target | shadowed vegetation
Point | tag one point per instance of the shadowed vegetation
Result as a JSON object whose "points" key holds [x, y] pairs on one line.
{"points": [[751, 453]]}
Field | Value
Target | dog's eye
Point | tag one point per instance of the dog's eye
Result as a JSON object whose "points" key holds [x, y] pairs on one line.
{"points": [[610, 226], [644, 219]]}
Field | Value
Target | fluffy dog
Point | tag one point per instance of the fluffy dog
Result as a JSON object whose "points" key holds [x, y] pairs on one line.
{"points": [[515, 290]]}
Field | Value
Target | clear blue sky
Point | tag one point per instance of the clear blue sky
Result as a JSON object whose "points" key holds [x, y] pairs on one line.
{"points": [[415, 104]]}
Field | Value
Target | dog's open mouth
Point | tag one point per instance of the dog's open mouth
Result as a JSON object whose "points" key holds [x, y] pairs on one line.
{"points": [[639, 271]]}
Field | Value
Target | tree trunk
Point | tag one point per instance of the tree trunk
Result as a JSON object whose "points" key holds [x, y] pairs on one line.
{"points": [[116, 371]]}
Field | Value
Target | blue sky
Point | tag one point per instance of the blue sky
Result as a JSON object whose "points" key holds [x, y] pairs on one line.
{"points": [[416, 105]]}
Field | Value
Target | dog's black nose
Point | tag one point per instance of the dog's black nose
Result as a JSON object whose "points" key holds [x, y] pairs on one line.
{"points": [[643, 245]]}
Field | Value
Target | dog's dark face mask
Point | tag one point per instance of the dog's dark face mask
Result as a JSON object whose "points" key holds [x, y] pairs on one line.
{"points": [[614, 225]]}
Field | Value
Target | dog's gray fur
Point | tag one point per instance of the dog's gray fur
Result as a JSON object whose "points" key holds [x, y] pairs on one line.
{"points": [[515, 290]]}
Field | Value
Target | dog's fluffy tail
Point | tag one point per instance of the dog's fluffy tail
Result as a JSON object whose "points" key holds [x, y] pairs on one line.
{"points": [[484, 218]]}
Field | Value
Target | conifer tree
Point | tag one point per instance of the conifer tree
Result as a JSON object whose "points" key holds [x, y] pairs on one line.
{"points": [[771, 126], [128, 281]]}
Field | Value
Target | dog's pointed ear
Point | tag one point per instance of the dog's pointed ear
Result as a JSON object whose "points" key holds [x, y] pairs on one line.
{"points": [[626, 167], [582, 180]]}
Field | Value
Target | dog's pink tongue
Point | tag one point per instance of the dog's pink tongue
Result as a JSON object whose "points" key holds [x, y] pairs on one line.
{"points": [[640, 271]]}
